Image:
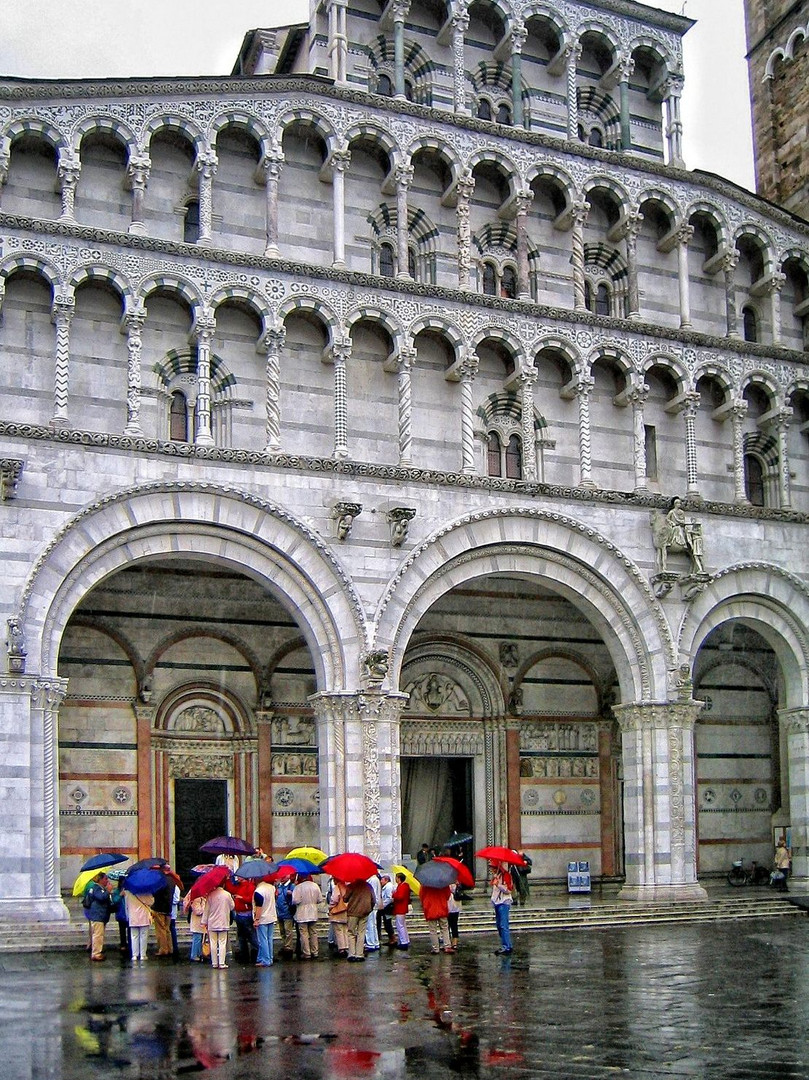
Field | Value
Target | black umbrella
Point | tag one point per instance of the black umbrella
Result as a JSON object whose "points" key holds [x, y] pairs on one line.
{"points": [[435, 874], [106, 858], [458, 838], [147, 864]]}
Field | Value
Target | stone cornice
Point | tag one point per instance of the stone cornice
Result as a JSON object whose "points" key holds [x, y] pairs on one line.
{"points": [[355, 279]]}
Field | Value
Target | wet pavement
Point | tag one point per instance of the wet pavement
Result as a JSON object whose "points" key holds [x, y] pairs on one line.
{"points": [[727, 1000]]}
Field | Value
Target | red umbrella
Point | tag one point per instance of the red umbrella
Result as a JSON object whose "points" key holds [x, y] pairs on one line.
{"points": [[464, 873], [502, 854], [208, 882], [350, 866]]}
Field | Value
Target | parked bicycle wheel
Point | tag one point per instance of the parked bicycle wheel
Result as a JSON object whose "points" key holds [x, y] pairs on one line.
{"points": [[737, 875]]}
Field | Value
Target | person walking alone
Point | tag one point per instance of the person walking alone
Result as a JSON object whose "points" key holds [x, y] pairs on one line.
{"points": [[502, 899]]}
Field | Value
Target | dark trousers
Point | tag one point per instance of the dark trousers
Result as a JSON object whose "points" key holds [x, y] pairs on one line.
{"points": [[246, 938]]}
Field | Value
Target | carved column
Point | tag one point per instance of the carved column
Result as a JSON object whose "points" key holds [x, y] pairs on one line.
{"points": [[738, 412], [689, 416], [340, 161], [144, 723], [5, 163], [466, 185], [400, 10], [273, 342], [780, 425], [341, 351], [460, 24], [519, 33], [67, 173], [584, 387], [358, 748], [271, 165], [659, 800], [264, 718], [607, 790], [528, 376], [468, 371], [523, 201], [774, 287], [794, 725], [338, 40], [674, 129], [632, 228], [729, 262], [579, 212], [637, 399], [572, 54], [137, 174], [62, 312], [29, 810], [134, 320], [684, 235], [206, 169], [204, 329], [403, 365], [404, 178], [627, 66]]}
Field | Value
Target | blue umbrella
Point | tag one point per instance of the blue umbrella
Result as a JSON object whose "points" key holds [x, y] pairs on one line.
{"points": [[106, 858], [254, 869], [302, 866], [147, 864], [144, 880]]}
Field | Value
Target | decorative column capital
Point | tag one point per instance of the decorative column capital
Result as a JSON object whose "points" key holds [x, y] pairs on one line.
{"points": [[206, 163], [648, 715], [137, 170], [272, 340], [339, 161], [468, 367], [729, 261], [459, 20], [366, 705], [400, 9], [465, 186], [626, 66], [343, 514], [204, 328], [134, 318], [10, 474], [341, 350], [403, 174], [272, 164], [794, 721], [738, 409], [572, 52], [673, 86], [518, 36], [578, 212], [522, 202], [774, 283], [636, 395], [68, 169], [683, 234], [63, 308], [528, 376]]}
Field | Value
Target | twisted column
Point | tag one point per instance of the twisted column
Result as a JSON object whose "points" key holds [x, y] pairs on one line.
{"points": [[572, 55], [404, 365], [738, 412], [273, 342], [403, 175], [340, 161], [68, 171], [271, 166], [62, 312], [137, 173], [729, 263], [689, 415], [206, 169], [632, 228], [468, 371], [134, 320], [579, 212], [204, 329], [528, 377], [584, 387], [460, 24], [466, 185], [684, 235], [637, 399], [519, 33], [523, 201], [341, 351]]}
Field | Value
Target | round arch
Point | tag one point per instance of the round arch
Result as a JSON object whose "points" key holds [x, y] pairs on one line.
{"points": [[577, 561]]}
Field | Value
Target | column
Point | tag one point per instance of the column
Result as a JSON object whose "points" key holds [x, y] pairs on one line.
{"points": [[631, 230], [528, 377], [338, 40], [519, 33], [578, 214], [774, 286], [203, 330], [466, 185], [340, 161], [794, 725], [29, 810], [403, 365], [358, 751], [626, 67], [523, 203], [738, 411], [607, 792], [273, 342], [637, 399], [684, 235], [583, 389], [673, 89], [460, 24], [62, 312], [572, 54], [133, 322], [271, 165], [5, 163], [659, 800], [264, 718], [137, 174], [690, 407], [400, 9], [206, 169], [780, 425], [729, 262], [67, 173], [403, 175], [340, 353], [468, 371], [513, 792]]}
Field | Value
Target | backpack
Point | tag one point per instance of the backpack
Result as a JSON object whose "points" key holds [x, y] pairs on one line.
{"points": [[87, 899]]}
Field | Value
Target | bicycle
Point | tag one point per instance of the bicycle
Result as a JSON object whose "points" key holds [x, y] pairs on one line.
{"points": [[755, 874]]}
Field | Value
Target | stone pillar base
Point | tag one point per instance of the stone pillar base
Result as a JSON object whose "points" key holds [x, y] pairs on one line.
{"points": [[667, 894], [36, 909]]}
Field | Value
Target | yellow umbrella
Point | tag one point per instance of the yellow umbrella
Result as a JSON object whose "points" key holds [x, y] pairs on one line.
{"points": [[411, 881], [313, 854], [84, 879]]}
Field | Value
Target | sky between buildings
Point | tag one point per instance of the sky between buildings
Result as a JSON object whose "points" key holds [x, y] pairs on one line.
{"points": [[53, 39]]}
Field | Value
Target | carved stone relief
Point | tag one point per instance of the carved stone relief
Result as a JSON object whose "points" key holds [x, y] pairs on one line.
{"points": [[438, 694]]}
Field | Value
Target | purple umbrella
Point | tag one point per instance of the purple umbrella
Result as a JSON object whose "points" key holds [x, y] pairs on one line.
{"points": [[227, 845]]}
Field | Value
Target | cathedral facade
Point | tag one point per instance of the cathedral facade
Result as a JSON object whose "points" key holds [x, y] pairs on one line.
{"points": [[396, 440]]}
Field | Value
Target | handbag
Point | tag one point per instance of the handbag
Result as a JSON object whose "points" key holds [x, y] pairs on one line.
{"points": [[206, 946]]}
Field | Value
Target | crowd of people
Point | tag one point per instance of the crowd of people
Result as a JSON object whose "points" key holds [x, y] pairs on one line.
{"points": [[362, 916]]}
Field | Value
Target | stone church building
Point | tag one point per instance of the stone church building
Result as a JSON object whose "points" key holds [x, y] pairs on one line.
{"points": [[396, 439]]}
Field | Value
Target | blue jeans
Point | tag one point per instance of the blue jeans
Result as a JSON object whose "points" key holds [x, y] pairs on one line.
{"points": [[264, 933], [501, 913], [196, 947]]}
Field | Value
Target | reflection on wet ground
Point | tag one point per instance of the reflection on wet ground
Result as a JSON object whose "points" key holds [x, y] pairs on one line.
{"points": [[724, 1000]]}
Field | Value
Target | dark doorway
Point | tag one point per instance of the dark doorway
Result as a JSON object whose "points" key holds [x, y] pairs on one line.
{"points": [[200, 813], [436, 800]]}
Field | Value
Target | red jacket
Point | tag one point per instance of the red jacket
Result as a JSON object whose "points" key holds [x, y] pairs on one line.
{"points": [[434, 902], [401, 898], [242, 892]]}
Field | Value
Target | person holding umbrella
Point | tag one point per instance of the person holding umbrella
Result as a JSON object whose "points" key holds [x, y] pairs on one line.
{"points": [[401, 906], [97, 902], [218, 908], [360, 901], [306, 897], [502, 900], [435, 905], [139, 917]]}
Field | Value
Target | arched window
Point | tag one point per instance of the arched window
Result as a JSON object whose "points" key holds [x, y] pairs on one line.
{"points": [[386, 263], [508, 283], [495, 467], [602, 306], [595, 138], [581, 133], [588, 296], [754, 480], [411, 263], [384, 86], [503, 114], [514, 459], [489, 280], [191, 222], [178, 417], [749, 324], [409, 90], [484, 110]]}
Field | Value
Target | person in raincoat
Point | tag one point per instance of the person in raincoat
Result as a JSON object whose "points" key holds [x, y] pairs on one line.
{"points": [[97, 902]]}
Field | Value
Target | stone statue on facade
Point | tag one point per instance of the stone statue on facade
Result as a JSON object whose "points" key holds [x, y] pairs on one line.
{"points": [[674, 532], [15, 643]]}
